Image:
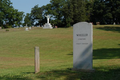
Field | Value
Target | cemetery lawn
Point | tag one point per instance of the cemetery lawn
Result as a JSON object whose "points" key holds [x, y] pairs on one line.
{"points": [[56, 54]]}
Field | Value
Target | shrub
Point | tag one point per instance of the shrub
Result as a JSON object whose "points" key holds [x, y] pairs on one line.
{"points": [[7, 29]]}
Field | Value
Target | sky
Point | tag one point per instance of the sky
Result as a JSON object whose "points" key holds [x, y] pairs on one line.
{"points": [[27, 5]]}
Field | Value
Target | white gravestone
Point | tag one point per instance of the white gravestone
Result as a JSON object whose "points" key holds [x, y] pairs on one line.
{"points": [[114, 23], [82, 46], [29, 27], [26, 29], [47, 25]]}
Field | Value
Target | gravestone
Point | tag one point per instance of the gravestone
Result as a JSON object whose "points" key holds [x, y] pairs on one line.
{"points": [[47, 25], [82, 46], [38, 26], [26, 29], [97, 23], [114, 23], [29, 27]]}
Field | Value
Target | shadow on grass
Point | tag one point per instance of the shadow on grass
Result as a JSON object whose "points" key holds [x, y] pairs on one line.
{"points": [[110, 53], [101, 72], [110, 28], [104, 53], [68, 74]]}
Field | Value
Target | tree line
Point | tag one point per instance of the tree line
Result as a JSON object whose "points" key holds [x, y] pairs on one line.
{"points": [[64, 13]]}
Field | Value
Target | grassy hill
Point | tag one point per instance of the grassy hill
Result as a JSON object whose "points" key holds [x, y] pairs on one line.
{"points": [[56, 54]]}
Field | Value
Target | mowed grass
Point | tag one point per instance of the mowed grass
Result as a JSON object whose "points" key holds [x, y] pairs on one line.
{"points": [[56, 54]]}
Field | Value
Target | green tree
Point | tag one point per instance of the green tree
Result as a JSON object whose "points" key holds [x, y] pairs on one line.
{"points": [[89, 9], [5, 5], [113, 7], [75, 11], [27, 20], [37, 14], [68, 13], [99, 11], [56, 10], [106, 11], [8, 15], [63, 12], [79, 9]]}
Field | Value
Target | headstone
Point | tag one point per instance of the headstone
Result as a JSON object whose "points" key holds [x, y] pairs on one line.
{"points": [[114, 23], [47, 25], [0, 27], [55, 26], [97, 23], [29, 27], [26, 29], [82, 46], [17, 26]]}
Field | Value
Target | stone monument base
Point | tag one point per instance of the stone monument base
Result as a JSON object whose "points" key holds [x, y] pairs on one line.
{"points": [[47, 26]]}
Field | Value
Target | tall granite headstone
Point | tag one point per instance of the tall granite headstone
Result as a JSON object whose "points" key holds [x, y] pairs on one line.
{"points": [[82, 46]]}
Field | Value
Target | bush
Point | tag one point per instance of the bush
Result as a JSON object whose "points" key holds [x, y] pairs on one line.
{"points": [[7, 29]]}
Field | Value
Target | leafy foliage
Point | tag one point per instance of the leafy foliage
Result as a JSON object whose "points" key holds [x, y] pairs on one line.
{"points": [[27, 19], [64, 13], [106, 11], [8, 15]]}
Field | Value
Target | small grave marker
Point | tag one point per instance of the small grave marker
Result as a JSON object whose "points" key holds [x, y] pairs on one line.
{"points": [[26, 29], [29, 27]]}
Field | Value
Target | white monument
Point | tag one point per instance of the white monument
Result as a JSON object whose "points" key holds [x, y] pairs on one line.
{"points": [[47, 25], [82, 46], [114, 23], [29, 27], [26, 29]]}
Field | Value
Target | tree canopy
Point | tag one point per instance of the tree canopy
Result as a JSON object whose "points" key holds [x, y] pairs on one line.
{"points": [[106, 11], [64, 13], [8, 15]]}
